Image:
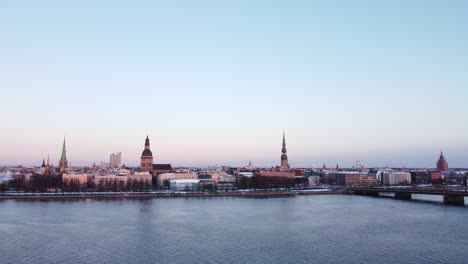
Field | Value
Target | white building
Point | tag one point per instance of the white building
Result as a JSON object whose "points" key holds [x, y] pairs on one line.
{"points": [[140, 176], [103, 179], [116, 160], [165, 178], [80, 178], [184, 185], [396, 178]]}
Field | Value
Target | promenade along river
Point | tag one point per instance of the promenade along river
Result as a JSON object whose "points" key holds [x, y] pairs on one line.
{"points": [[302, 229]]}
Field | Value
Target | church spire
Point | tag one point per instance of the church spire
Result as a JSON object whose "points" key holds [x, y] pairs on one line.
{"points": [[284, 144], [284, 156], [63, 162], [64, 151], [147, 142]]}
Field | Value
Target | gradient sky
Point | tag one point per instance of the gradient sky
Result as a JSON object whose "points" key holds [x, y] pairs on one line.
{"points": [[216, 82]]}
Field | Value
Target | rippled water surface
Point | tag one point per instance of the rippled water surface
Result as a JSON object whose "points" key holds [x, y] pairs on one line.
{"points": [[304, 229]]}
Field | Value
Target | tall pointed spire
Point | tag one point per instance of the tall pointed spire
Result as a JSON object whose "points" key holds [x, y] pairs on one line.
{"points": [[64, 151], [284, 144], [284, 156], [63, 162], [48, 164]]}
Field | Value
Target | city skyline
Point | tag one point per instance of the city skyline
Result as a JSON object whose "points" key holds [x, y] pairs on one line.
{"points": [[133, 163], [217, 82]]}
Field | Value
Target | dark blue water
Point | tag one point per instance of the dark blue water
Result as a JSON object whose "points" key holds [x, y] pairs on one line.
{"points": [[304, 229]]}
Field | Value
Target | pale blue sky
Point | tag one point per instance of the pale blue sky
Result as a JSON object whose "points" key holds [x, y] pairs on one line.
{"points": [[383, 82]]}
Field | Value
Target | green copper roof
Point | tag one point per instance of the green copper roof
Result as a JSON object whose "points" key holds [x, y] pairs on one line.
{"points": [[64, 151]]}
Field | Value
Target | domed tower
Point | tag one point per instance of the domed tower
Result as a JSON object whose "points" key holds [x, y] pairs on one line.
{"points": [[284, 156], [147, 157]]}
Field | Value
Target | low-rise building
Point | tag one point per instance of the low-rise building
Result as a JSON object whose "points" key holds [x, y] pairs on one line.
{"points": [[184, 184], [163, 179]]}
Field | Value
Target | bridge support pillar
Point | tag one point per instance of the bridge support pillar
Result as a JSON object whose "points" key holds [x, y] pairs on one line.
{"points": [[454, 199], [371, 193], [403, 195]]}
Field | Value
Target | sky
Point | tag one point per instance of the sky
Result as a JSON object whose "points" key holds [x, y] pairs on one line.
{"points": [[217, 82]]}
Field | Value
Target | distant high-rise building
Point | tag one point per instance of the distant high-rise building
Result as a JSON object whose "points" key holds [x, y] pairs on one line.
{"points": [[116, 160], [284, 156], [146, 157], [63, 162], [47, 171], [442, 164]]}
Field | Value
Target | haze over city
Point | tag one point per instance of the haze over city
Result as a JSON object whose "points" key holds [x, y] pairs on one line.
{"points": [[217, 82]]}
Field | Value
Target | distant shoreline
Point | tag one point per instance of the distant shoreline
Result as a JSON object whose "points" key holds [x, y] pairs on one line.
{"points": [[256, 194]]}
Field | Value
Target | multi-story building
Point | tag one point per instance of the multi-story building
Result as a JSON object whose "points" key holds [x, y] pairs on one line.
{"points": [[442, 164], [82, 179], [103, 179], [396, 178], [368, 181], [378, 174], [163, 179], [420, 177], [184, 185], [348, 178], [140, 176], [116, 160], [435, 176]]}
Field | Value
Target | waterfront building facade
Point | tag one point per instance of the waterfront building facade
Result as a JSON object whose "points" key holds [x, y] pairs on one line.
{"points": [[82, 179], [164, 179], [396, 178], [140, 176], [103, 179], [184, 185], [348, 179]]}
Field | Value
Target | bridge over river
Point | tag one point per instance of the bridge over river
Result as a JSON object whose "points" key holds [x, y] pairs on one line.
{"points": [[452, 196]]}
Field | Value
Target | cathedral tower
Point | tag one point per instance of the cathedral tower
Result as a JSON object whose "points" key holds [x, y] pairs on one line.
{"points": [[147, 157]]}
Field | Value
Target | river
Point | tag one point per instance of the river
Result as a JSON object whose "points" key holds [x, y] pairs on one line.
{"points": [[301, 229]]}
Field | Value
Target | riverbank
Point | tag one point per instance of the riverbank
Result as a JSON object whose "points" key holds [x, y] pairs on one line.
{"points": [[74, 196]]}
